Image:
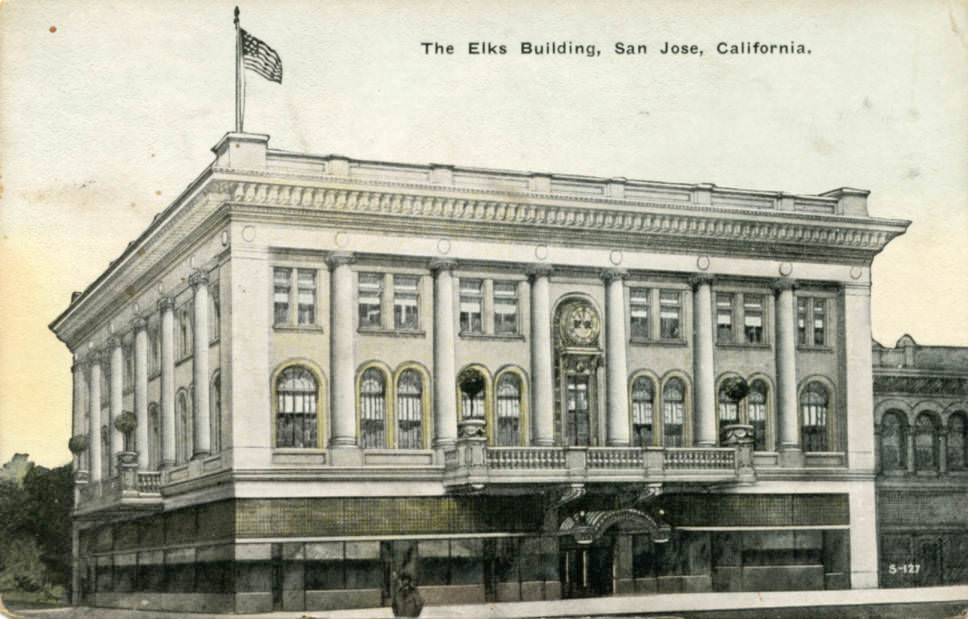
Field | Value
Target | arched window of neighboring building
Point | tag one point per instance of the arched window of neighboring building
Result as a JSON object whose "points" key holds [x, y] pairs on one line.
{"points": [[957, 442], [154, 437], [728, 407], [925, 443], [643, 413], [297, 394], [472, 392], [813, 414], [373, 409], [509, 410], [215, 412], [756, 412], [893, 441], [410, 410], [183, 429], [673, 412]]}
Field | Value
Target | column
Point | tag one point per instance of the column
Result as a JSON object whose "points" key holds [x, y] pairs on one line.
{"points": [[616, 360], [445, 365], [704, 372], [909, 446], [94, 401], [942, 451], [117, 393], [167, 307], [77, 370], [341, 350], [542, 373], [786, 370], [859, 384], [141, 391], [198, 280]]}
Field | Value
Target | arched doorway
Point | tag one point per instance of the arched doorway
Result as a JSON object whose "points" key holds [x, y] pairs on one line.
{"points": [[593, 545]]}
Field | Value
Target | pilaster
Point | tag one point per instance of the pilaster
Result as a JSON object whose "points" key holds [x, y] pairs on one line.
{"points": [[704, 371], [166, 305], [445, 364], [94, 401], [786, 372], [342, 355], [198, 280], [616, 359], [542, 372], [116, 400], [141, 391]]}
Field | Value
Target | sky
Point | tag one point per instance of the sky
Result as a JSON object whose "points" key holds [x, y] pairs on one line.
{"points": [[108, 110]]}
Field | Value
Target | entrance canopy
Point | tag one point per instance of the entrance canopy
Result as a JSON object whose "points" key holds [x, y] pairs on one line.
{"points": [[586, 527]]}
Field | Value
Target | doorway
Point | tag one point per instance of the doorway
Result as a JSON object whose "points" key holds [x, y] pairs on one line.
{"points": [[587, 570]]}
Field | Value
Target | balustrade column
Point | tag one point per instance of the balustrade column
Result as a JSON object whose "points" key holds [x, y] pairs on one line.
{"points": [[786, 367], [445, 363], [117, 401], [704, 375], [616, 360], [341, 350], [94, 400], [77, 370], [167, 307], [542, 371], [203, 428], [141, 391]]}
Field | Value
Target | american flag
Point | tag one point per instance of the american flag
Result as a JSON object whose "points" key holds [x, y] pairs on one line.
{"points": [[259, 57]]}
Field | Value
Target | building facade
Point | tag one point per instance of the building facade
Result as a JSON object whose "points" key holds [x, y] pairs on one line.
{"points": [[313, 373], [921, 416]]}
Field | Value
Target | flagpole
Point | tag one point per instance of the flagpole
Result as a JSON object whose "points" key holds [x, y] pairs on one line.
{"points": [[238, 75]]}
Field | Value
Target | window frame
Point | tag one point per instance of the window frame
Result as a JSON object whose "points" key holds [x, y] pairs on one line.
{"points": [[683, 412], [805, 310], [292, 287], [382, 399], [318, 414], [651, 413], [423, 399], [468, 295], [828, 412]]}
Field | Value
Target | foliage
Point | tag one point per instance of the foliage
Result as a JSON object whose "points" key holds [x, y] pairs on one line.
{"points": [[78, 444]]}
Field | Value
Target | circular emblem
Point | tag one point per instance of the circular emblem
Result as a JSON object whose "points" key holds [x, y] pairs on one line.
{"points": [[248, 234], [443, 246], [702, 262], [856, 272], [785, 268], [615, 256], [580, 325], [541, 252]]}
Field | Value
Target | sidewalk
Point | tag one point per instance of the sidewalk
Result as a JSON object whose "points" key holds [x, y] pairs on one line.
{"points": [[942, 602]]}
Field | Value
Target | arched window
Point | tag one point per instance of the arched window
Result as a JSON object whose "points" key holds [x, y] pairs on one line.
{"points": [[183, 429], [509, 410], [893, 441], [728, 407], [756, 412], [957, 442], [643, 396], [154, 437], [410, 410], [215, 412], [106, 455], [813, 414], [925, 443], [373, 409], [472, 388], [296, 398], [673, 412]]}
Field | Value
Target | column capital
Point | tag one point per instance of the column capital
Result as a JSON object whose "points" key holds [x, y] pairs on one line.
{"points": [[139, 323], [784, 283], [700, 279], [611, 274], [340, 258], [94, 357], [79, 365], [197, 278], [539, 270], [442, 264], [166, 303], [114, 342]]}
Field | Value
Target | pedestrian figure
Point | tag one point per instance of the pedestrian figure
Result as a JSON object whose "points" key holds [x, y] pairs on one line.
{"points": [[406, 599]]}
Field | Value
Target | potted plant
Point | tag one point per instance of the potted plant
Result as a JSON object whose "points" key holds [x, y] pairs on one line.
{"points": [[78, 444]]}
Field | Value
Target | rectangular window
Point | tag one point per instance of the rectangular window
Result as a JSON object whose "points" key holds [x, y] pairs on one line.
{"points": [[639, 313], [753, 318], [724, 317], [214, 313], [471, 306], [370, 299], [670, 314], [281, 283], [154, 342], [505, 308], [801, 321], [819, 322], [306, 286], [405, 302]]}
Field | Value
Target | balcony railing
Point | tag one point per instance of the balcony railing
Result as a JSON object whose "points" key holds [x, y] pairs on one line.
{"points": [[526, 458], [699, 458]]}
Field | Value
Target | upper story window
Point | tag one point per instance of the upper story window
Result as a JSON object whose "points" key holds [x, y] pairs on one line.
{"points": [[297, 394], [728, 407], [753, 318], [756, 412], [639, 326], [184, 320], [509, 410], [370, 300], [812, 319], [724, 317], [472, 387], [154, 345], [893, 441], [127, 351], [505, 308], [471, 306], [294, 302], [925, 443], [410, 410], [406, 302], [183, 429], [373, 409], [643, 414], [957, 442], [814, 402], [670, 314], [214, 313], [673, 412]]}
